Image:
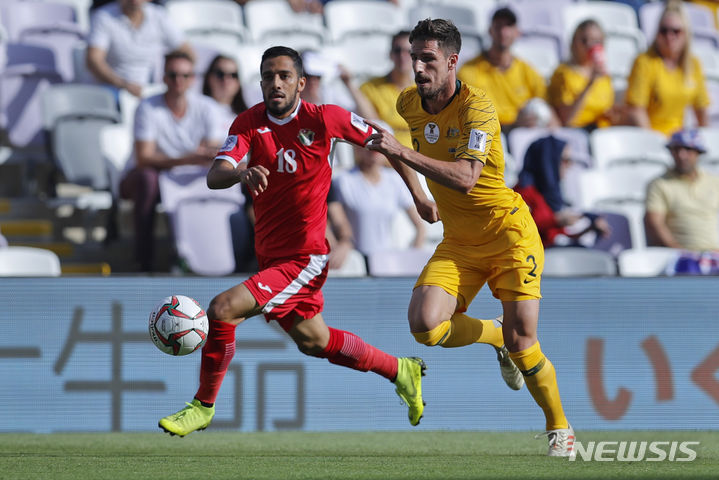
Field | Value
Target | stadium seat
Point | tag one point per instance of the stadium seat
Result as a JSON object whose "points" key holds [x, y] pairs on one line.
{"points": [[29, 71], [578, 262], [537, 19], [634, 213], [82, 11], [398, 263], [713, 110], [359, 18], [28, 262], [116, 145], [632, 145], [541, 52], [267, 20], [710, 135], [620, 238], [620, 55], [215, 22], [355, 265], [520, 138], [623, 183], [26, 17], [646, 262], [203, 235], [51, 26], [364, 59], [200, 219], [709, 57]]}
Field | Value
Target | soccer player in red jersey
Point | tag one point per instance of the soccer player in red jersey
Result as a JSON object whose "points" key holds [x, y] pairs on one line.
{"points": [[280, 150]]}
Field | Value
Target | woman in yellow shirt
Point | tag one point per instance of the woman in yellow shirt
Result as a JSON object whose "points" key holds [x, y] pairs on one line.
{"points": [[667, 78], [580, 90]]}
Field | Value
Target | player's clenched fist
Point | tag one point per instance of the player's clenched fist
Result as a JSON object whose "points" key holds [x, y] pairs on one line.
{"points": [[255, 178]]}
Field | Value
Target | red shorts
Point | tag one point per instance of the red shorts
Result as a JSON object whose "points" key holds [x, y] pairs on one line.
{"points": [[286, 286]]}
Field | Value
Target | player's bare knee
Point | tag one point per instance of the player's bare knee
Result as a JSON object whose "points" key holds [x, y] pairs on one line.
{"points": [[220, 309], [310, 347]]}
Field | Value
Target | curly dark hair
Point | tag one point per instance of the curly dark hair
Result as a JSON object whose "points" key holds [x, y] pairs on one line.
{"points": [[448, 37]]}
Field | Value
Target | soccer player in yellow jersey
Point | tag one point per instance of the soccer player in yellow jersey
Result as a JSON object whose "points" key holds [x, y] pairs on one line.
{"points": [[489, 234]]}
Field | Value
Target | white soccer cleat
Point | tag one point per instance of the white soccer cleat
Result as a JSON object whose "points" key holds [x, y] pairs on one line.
{"points": [[561, 442], [510, 372]]}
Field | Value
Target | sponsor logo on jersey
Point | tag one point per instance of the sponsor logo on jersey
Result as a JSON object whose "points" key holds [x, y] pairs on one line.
{"points": [[477, 140], [306, 136], [358, 122], [264, 287], [229, 144], [452, 132], [431, 132], [264, 130]]}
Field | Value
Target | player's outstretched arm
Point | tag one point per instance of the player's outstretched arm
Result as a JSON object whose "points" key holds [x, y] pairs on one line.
{"points": [[223, 174], [462, 174]]}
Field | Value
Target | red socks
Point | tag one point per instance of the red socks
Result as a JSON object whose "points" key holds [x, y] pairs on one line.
{"points": [[349, 350], [344, 348], [216, 357]]}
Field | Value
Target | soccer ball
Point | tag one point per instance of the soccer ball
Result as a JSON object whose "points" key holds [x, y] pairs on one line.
{"points": [[178, 325]]}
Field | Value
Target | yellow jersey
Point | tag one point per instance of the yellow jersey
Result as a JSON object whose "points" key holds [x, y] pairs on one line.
{"points": [[466, 128], [665, 93], [509, 89], [382, 94], [567, 84]]}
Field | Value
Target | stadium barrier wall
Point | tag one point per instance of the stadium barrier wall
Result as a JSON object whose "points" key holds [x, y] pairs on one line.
{"points": [[75, 355]]}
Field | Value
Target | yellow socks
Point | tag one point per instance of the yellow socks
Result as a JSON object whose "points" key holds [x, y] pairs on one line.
{"points": [[541, 380], [461, 330]]}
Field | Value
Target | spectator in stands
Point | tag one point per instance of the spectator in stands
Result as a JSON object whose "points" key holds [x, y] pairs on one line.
{"points": [[509, 81], [320, 88], [314, 6], [682, 206], [382, 92], [545, 164], [339, 230], [171, 129], [222, 83], [372, 195], [580, 90], [667, 78], [127, 40]]}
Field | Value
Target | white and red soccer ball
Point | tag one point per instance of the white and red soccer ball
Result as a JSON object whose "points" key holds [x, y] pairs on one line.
{"points": [[178, 325]]}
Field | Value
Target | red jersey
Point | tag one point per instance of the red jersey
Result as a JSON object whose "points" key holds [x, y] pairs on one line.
{"points": [[291, 214]]}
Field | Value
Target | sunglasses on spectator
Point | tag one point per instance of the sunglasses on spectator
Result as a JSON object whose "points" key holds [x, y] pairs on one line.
{"points": [[667, 30], [222, 74], [175, 75]]}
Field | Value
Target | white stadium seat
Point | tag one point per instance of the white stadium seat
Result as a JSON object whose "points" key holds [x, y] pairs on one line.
{"points": [[646, 262], [28, 262], [578, 262], [617, 145]]}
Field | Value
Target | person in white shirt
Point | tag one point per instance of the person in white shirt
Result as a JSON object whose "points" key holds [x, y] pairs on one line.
{"points": [[372, 195], [127, 41], [170, 129]]}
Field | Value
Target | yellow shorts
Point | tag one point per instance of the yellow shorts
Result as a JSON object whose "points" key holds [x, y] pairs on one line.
{"points": [[511, 263]]}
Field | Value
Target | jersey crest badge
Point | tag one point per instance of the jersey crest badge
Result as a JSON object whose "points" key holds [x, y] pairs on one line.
{"points": [[358, 122], [452, 132], [229, 144], [431, 132], [306, 137], [477, 140]]}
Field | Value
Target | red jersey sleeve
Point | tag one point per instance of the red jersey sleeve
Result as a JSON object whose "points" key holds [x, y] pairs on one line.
{"points": [[345, 125], [237, 144]]}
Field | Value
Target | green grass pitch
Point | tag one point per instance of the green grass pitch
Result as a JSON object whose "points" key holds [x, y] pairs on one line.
{"points": [[346, 456]]}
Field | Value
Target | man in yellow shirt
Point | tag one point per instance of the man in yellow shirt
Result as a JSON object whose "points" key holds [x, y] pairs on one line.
{"points": [[682, 206], [382, 92], [509, 81], [489, 234]]}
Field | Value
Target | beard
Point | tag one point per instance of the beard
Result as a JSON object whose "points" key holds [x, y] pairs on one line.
{"points": [[283, 109], [427, 92]]}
